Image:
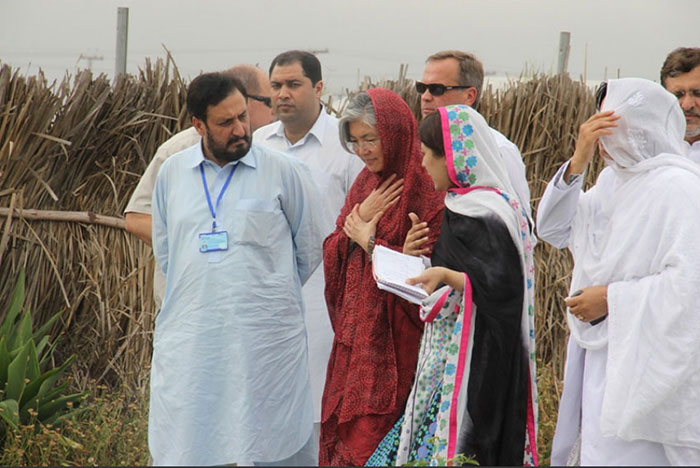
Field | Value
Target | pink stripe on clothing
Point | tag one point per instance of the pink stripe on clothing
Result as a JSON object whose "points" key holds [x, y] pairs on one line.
{"points": [[461, 362], [463, 190], [436, 307], [447, 143]]}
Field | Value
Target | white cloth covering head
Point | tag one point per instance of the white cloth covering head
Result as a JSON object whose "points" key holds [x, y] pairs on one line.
{"points": [[651, 122], [649, 135], [646, 253], [483, 189]]}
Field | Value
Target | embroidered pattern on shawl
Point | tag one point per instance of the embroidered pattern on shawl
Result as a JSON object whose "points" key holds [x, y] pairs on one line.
{"points": [[445, 344], [462, 160]]}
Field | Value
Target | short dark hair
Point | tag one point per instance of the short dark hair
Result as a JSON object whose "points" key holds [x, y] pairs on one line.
{"points": [[471, 70], [209, 89], [430, 133], [679, 61], [308, 61]]}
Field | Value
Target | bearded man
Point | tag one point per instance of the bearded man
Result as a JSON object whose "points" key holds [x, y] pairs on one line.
{"points": [[237, 231]]}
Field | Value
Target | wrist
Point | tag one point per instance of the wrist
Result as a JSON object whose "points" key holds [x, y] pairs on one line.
{"points": [[370, 246], [577, 165]]}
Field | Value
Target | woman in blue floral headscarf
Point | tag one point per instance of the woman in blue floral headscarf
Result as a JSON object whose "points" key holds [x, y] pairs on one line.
{"points": [[474, 392]]}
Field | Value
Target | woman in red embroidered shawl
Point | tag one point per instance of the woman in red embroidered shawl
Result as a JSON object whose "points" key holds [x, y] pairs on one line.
{"points": [[377, 334]]}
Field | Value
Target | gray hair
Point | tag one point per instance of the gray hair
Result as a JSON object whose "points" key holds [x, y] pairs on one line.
{"points": [[358, 109]]}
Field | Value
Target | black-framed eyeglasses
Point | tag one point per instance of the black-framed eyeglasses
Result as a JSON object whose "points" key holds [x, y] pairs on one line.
{"points": [[265, 100], [436, 89]]}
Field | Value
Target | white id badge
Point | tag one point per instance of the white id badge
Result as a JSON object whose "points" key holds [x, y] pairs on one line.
{"points": [[213, 241]]}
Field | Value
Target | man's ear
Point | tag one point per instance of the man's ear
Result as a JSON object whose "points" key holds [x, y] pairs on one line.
{"points": [[470, 96], [318, 88], [200, 126]]}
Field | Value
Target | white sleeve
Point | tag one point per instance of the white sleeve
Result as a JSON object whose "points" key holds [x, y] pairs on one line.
{"points": [[160, 226], [301, 203], [557, 209]]}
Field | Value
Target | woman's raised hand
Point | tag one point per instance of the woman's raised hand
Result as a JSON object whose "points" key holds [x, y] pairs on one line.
{"points": [[359, 230], [417, 237], [381, 198], [588, 135]]}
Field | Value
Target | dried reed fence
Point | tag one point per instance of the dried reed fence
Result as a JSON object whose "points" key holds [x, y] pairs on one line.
{"points": [[70, 155], [72, 152]]}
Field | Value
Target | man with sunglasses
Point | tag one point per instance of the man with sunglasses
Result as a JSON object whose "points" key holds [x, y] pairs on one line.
{"points": [[456, 77], [138, 210], [307, 132]]}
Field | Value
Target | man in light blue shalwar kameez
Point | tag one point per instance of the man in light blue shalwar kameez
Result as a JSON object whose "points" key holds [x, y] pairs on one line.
{"points": [[236, 229]]}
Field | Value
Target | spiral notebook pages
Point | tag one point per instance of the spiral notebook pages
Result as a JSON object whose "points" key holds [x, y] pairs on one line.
{"points": [[391, 269]]}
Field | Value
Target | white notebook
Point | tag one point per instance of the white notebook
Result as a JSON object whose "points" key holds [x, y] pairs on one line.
{"points": [[391, 269]]}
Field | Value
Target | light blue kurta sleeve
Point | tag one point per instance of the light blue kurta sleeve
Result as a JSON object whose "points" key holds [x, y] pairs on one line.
{"points": [[159, 221], [301, 204]]}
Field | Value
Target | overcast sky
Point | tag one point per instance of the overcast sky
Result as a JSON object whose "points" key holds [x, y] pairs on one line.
{"points": [[363, 37]]}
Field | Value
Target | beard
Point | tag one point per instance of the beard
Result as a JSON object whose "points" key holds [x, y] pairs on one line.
{"points": [[692, 130], [222, 152]]}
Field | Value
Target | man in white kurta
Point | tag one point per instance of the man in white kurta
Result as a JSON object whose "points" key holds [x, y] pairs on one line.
{"points": [[305, 131], [236, 230], [632, 381], [137, 213]]}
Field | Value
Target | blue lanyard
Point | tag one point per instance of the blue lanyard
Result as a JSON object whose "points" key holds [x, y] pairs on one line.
{"points": [[221, 194]]}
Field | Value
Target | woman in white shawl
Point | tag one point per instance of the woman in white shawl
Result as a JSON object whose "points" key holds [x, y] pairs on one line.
{"points": [[632, 378], [474, 392]]}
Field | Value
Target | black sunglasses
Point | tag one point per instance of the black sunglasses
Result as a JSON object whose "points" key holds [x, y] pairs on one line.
{"points": [[436, 89], [265, 100]]}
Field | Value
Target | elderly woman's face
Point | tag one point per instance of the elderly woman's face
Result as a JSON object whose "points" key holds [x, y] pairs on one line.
{"points": [[364, 141]]}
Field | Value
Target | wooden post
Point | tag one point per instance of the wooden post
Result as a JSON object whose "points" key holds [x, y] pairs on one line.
{"points": [[564, 48], [122, 36]]}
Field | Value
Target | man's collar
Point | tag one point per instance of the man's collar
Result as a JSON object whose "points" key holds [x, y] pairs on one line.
{"points": [[196, 157], [317, 129]]}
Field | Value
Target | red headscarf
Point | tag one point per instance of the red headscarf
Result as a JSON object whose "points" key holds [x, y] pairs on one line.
{"points": [[377, 334]]}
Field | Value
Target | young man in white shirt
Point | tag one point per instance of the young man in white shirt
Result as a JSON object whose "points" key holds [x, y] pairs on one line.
{"points": [[305, 131]]}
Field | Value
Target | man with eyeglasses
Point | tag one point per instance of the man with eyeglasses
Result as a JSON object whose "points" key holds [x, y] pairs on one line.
{"points": [[680, 75], [306, 131], [455, 77], [138, 210]]}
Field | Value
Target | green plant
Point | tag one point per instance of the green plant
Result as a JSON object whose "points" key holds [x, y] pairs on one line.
{"points": [[112, 430], [458, 460], [27, 378]]}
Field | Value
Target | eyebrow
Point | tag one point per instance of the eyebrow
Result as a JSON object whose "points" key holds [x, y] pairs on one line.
{"points": [[365, 135], [293, 80]]}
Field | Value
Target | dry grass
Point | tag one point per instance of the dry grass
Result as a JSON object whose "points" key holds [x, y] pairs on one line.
{"points": [[81, 145], [111, 431]]}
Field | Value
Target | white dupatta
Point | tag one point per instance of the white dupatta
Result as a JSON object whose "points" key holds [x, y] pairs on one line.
{"points": [[648, 253]]}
